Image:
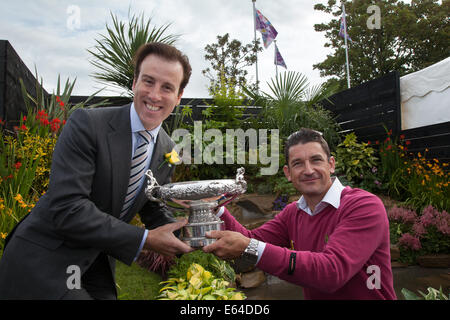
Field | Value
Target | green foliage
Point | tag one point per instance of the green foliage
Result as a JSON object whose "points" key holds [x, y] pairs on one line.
{"points": [[357, 162], [293, 104], [433, 294], [411, 37], [57, 104], [229, 60], [198, 284], [219, 268], [228, 106], [412, 178], [113, 54]]}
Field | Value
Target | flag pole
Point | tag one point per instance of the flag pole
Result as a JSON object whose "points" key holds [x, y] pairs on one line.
{"points": [[346, 45], [256, 53]]}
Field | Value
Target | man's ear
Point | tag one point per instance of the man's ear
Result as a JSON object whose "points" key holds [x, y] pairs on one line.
{"points": [[287, 173], [180, 94], [332, 163]]}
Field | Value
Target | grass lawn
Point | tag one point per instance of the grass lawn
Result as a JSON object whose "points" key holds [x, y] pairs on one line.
{"points": [[136, 283]]}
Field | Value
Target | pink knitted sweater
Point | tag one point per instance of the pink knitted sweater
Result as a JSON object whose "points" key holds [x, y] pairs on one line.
{"points": [[339, 253]]}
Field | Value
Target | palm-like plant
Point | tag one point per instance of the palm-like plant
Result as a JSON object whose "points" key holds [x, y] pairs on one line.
{"points": [[293, 103], [114, 52]]}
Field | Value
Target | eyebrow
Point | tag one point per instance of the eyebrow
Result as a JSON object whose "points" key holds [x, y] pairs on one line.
{"points": [[314, 156], [146, 76]]}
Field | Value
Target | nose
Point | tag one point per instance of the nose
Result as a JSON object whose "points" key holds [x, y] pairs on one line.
{"points": [[308, 168], [154, 94]]}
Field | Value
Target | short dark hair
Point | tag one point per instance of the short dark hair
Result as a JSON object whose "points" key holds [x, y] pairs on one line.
{"points": [[302, 136], [167, 52]]}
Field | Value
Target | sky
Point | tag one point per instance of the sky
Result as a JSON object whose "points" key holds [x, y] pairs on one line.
{"points": [[51, 36]]}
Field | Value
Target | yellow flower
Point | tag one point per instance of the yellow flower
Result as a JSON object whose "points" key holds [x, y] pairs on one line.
{"points": [[18, 197], [3, 235], [171, 158]]}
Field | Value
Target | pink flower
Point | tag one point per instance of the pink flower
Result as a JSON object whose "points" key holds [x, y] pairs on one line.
{"points": [[408, 241], [402, 215], [419, 229], [443, 222]]}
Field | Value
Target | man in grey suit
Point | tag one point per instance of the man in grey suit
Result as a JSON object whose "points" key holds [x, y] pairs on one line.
{"points": [[81, 224]]}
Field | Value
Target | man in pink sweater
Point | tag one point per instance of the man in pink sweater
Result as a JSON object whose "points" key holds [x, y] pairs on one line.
{"points": [[334, 241]]}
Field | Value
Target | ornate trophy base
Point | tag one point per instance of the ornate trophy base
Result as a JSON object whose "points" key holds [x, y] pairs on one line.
{"points": [[201, 220]]}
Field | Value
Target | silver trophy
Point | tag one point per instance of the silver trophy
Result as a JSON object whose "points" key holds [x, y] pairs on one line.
{"points": [[201, 197]]}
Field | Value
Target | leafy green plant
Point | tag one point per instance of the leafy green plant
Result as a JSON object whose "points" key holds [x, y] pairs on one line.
{"points": [[357, 162], [198, 284], [219, 268], [292, 103], [432, 294], [55, 105]]}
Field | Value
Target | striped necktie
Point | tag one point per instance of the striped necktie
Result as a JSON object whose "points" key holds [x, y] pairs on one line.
{"points": [[137, 170]]}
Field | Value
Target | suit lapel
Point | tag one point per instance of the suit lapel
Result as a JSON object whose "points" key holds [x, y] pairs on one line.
{"points": [[120, 144]]}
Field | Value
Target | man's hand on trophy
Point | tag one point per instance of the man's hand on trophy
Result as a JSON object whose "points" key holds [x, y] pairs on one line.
{"points": [[229, 244], [163, 241]]}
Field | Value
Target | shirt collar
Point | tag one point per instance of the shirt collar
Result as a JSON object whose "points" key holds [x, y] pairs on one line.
{"points": [[332, 197], [136, 124]]}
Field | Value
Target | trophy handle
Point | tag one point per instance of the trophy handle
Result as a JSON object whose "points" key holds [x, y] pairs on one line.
{"points": [[152, 185]]}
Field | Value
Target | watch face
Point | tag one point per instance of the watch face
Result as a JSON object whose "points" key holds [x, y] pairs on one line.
{"points": [[251, 258]]}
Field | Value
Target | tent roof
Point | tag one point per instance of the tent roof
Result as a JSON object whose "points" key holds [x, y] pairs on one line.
{"points": [[433, 78]]}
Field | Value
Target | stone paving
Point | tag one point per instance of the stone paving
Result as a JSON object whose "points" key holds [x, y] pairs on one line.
{"points": [[412, 278]]}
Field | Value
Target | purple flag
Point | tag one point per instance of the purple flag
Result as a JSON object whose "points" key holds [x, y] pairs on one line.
{"points": [[278, 58], [263, 25], [343, 28]]}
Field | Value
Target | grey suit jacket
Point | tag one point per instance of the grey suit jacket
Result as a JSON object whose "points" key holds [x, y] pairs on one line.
{"points": [[78, 217]]}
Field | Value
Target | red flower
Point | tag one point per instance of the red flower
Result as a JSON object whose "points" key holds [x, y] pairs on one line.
{"points": [[402, 136], [408, 142], [55, 124], [389, 147], [377, 142], [390, 132], [24, 118], [388, 139], [368, 143], [18, 165]]}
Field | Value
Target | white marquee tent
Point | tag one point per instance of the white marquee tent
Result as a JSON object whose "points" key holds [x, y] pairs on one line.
{"points": [[425, 96]]}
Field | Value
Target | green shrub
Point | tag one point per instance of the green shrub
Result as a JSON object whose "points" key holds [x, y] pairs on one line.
{"points": [[357, 163]]}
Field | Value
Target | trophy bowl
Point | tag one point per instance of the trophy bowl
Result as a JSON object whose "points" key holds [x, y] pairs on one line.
{"points": [[201, 197]]}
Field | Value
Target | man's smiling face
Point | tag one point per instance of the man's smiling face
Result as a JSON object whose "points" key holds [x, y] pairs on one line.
{"points": [[310, 170], [157, 89]]}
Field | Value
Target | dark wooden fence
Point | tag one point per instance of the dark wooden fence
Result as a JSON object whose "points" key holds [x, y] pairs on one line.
{"points": [[12, 69], [366, 109], [374, 107]]}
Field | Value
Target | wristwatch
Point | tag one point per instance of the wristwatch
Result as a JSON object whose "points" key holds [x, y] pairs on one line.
{"points": [[250, 253]]}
